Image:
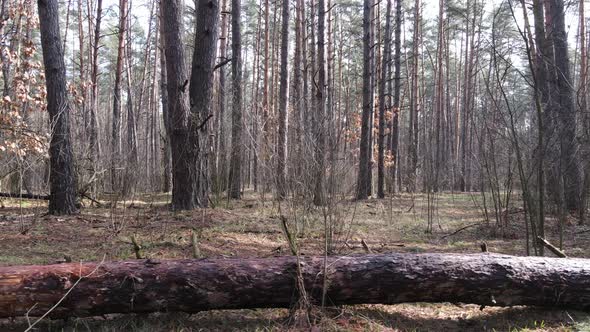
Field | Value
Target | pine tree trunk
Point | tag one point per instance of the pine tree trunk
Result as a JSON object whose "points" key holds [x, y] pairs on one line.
{"points": [[219, 170], [566, 111], [94, 143], [167, 153], [583, 108], [364, 179], [235, 172], [319, 195], [283, 102], [201, 95], [396, 96], [412, 158], [116, 120], [183, 160], [131, 154], [191, 286], [382, 105], [62, 175]]}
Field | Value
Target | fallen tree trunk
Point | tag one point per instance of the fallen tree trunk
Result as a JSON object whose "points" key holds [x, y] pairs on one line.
{"points": [[24, 196], [143, 286]]}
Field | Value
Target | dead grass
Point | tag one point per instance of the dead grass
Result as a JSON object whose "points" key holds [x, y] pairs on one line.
{"points": [[251, 228]]}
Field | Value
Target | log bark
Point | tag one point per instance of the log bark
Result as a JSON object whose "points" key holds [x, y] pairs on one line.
{"points": [[143, 286]]}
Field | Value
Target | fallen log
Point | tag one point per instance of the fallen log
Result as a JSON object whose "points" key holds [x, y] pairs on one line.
{"points": [[143, 286], [25, 196]]}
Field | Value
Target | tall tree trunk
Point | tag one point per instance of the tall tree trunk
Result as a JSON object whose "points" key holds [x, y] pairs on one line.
{"points": [[319, 196], [82, 67], [131, 156], [254, 148], [465, 111], [116, 124], [396, 94], [94, 143], [235, 171], [4, 16], [412, 158], [364, 179], [440, 100], [62, 175], [265, 144], [566, 111], [283, 101], [201, 93], [382, 105], [543, 79], [298, 95], [167, 151], [183, 162], [219, 170], [583, 109]]}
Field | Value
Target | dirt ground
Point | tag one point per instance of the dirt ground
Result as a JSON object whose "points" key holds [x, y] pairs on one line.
{"points": [[252, 228]]}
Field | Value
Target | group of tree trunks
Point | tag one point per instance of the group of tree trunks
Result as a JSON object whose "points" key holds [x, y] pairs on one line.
{"points": [[143, 286]]}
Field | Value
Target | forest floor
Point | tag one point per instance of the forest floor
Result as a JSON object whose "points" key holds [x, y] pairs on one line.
{"points": [[252, 228]]}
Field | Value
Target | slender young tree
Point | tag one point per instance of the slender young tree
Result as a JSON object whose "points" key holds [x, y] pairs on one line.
{"points": [[235, 171], [396, 94], [62, 176], [283, 100]]}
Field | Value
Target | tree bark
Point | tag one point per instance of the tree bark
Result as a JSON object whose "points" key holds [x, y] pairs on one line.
{"points": [[167, 149], [235, 171], [382, 92], [364, 179], [566, 112], [177, 110], [94, 143], [131, 154], [219, 171], [412, 157], [436, 164], [62, 175], [116, 125], [396, 95], [191, 286], [319, 196], [201, 93], [582, 101], [283, 99], [298, 94]]}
